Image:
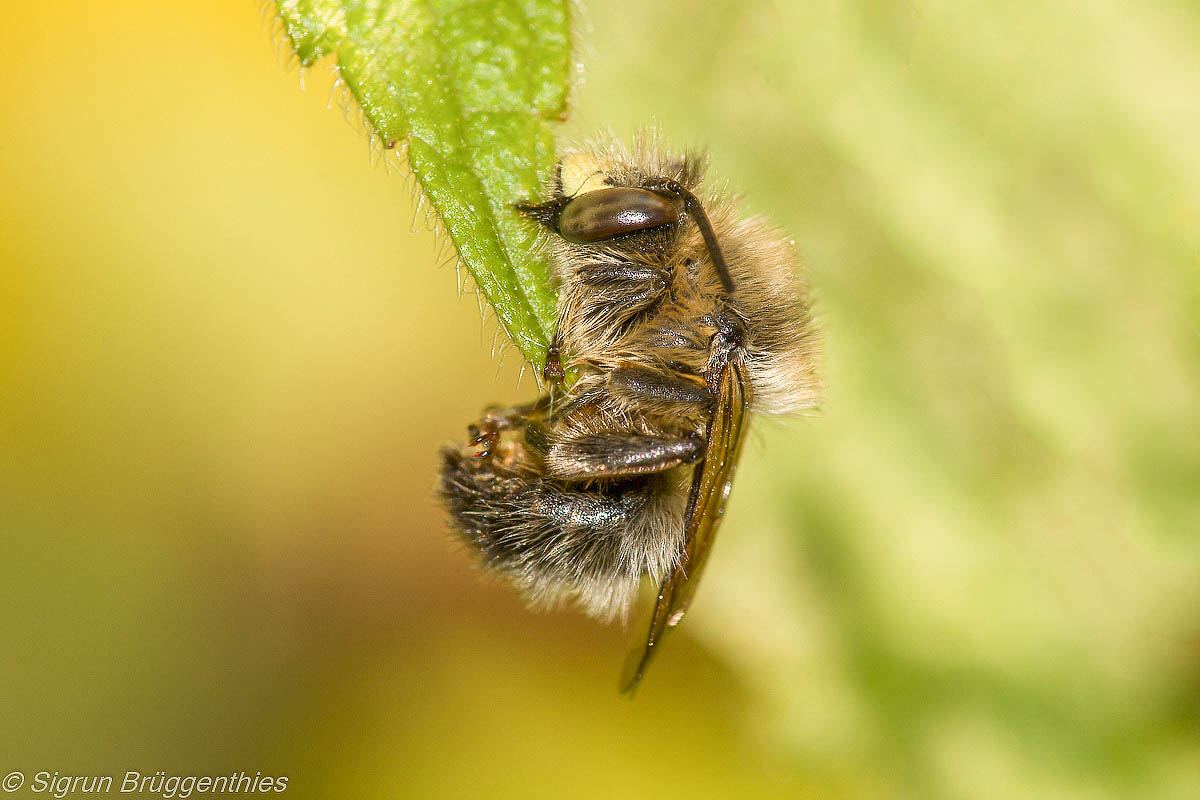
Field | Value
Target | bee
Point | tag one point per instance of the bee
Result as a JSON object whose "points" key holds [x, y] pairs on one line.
{"points": [[675, 318]]}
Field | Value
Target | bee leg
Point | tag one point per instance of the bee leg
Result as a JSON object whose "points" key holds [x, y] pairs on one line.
{"points": [[609, 295], [602, 275], [577, 457], [515, 416], [632, 286], [664, 390], [485, 434], [553, 371]]}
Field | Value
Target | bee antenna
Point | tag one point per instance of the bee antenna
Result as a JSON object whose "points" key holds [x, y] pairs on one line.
{"points": [[692, 205]]}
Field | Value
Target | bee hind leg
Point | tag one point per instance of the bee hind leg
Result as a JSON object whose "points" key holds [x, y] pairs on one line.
{"points": [[615, 454]]}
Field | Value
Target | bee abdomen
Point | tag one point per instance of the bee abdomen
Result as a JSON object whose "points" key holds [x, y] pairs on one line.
{"points": [[557, 541]]}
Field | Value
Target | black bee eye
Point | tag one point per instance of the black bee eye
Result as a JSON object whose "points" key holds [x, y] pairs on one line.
{"points": [[607, 213]]}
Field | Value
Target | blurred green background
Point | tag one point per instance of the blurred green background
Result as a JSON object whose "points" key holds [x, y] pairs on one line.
{"points": [[226, 365]]}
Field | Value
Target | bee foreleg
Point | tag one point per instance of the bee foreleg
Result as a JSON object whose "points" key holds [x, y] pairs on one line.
{"points": [[611, 455], [633, 287], [614, 274]]}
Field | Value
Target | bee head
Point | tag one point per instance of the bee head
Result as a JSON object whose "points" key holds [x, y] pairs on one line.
{"points": [[614, 212]]}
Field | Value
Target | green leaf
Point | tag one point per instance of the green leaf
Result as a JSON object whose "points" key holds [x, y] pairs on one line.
{"points": [[473, 87]]}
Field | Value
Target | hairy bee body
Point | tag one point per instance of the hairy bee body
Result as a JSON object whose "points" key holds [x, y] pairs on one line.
{"points": [[582, 494]]}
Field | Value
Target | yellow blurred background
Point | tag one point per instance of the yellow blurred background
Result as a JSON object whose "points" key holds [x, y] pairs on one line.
{"points": [[226, 365]]}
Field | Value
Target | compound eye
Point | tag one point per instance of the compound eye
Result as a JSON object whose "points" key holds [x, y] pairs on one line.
{"points": [[608, 213]]}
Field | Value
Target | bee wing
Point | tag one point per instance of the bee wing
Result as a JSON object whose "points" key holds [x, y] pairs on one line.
{"points": [[711, 482]]}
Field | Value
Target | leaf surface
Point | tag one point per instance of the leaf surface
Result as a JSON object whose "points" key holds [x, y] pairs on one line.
{"points": [[473, 90]]}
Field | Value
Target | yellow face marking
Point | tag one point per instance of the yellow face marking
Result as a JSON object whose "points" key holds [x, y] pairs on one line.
{"points": [[581, 173]]}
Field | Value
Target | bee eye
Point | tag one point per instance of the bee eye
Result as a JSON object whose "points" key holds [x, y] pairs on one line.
{"points": [[607, 213]]}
